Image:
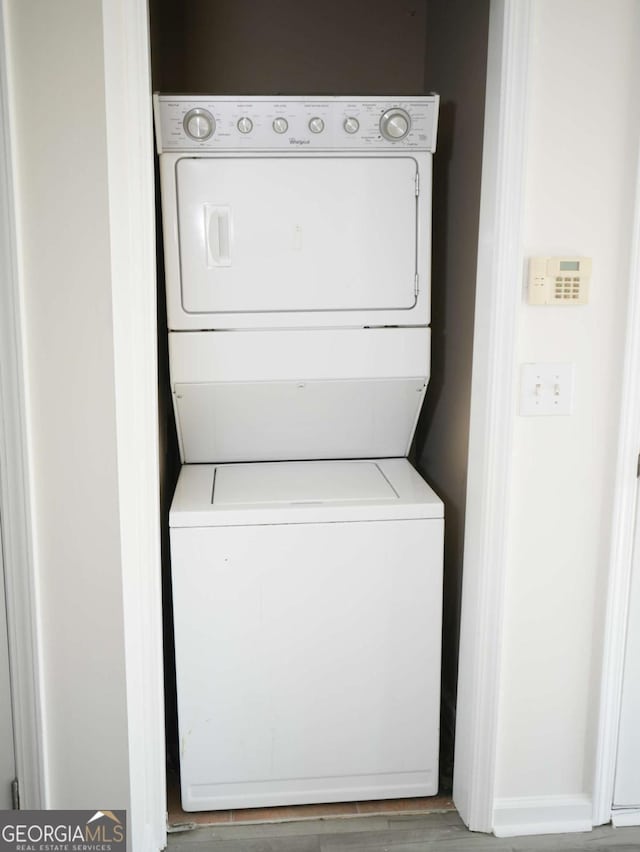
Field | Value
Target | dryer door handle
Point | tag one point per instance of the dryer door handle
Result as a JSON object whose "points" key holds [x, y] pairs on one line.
{"points": [[218, 234]]}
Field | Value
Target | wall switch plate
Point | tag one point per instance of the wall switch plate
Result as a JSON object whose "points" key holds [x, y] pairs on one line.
{"points": [[546, 390]]}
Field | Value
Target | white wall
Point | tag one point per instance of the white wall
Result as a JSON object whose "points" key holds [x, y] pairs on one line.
{"points": [[57, 93], [581, 161]]}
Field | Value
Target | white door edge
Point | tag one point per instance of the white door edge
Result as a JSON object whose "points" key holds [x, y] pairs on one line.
{"points": [[492, 406], [622, 541], [133, 281], [21, 599]]}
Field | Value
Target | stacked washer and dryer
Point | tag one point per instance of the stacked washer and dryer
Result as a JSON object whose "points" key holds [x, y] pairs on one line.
{"points": [[306, 552]]}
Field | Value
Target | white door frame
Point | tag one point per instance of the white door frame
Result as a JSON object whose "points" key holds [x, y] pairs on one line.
{"points": [[499, 265], [21, 598], [493, 393], [131, 189], [622, 540], [133, 282], [132, 239]]}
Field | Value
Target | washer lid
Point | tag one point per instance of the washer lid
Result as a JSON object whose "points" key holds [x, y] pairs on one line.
{"points": [[298, 483], [301, 492]]}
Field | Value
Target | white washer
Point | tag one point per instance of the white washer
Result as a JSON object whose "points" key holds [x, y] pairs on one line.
{"points": [[307, 606], [307, 594]]}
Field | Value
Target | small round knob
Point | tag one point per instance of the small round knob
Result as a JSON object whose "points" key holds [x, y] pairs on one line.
{"points": [[316, 125], [199, 124], [280, 125], [351, 124], [245, 125], [395, 124]]}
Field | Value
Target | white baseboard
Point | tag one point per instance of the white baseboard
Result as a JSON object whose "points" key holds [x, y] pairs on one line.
{"points": [[541, 815], [625, 816]]}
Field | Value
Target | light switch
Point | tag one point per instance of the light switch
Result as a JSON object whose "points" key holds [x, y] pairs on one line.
{"points": [[546, 389]]}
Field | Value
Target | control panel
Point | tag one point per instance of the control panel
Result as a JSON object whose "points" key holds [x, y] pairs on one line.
{"points": [[559, 280], [199, 122]]}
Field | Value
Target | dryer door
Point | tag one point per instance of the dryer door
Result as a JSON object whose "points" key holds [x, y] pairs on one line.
{"points": [[264, 235]]}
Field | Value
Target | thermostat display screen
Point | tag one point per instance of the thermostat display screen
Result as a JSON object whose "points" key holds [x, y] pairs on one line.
{"points": [[569, 266]]}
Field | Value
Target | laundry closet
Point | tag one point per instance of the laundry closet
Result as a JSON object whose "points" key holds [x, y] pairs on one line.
{"points": [[293, 56]]}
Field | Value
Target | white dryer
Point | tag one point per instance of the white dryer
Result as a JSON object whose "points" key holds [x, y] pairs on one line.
{"points": [[306, 551], [296, 213]]}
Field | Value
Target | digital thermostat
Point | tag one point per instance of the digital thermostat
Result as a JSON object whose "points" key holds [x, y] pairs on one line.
{"points": [[559, 280]]}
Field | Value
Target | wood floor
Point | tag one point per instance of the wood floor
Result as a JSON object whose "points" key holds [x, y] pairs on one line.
{"points": [[181, 820], [433, 832]]}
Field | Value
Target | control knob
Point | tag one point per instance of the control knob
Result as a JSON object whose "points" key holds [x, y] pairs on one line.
{"points": [[245, 125], [316, 125], [351, 124], [199, 124], [395, 124], [280, 125]]}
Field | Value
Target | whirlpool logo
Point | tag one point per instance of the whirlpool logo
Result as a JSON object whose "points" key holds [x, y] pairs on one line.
{"points": [[63, 831], [294, 141]]}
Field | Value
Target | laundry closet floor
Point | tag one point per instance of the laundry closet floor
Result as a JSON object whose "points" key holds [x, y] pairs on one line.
{"points": [[181, 820]]}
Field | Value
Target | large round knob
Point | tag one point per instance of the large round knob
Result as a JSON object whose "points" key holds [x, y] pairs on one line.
{"points": [[245, 125], [280, 125], [199, 124], [395, 124], [316, 125]]}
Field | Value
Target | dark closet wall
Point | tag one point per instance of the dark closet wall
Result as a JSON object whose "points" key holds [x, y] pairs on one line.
{"points": [[369, 48], [268, 47], [455, 67]]}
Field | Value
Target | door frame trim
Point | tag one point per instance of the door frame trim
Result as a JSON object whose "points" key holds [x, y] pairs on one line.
{"points": [[131, 191], [621, 556], [15, 490], [493, 395]]}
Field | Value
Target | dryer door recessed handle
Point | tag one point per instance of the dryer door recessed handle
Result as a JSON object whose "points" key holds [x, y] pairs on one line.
{"points": [[218, 234]]}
